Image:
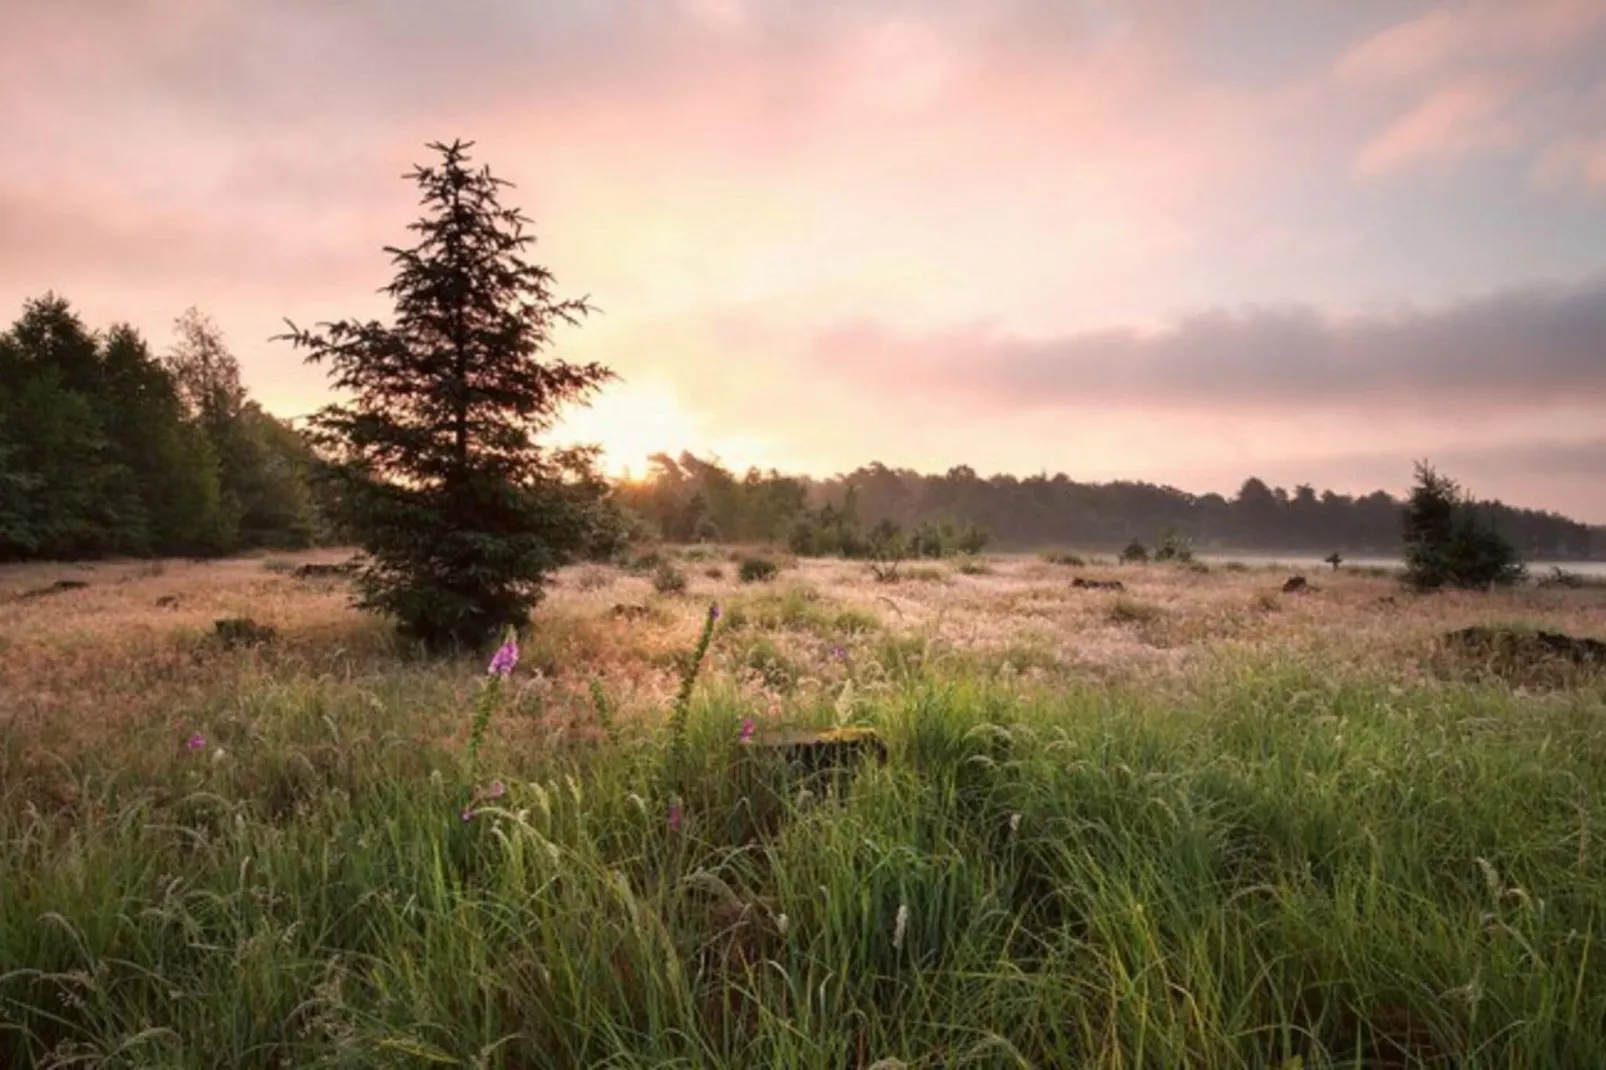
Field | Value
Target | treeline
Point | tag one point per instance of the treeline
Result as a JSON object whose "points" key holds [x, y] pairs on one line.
{"points": [[106, 449], [689, 498]]}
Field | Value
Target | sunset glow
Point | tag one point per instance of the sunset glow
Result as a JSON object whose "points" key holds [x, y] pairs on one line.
{"points": [[1173, 242]]}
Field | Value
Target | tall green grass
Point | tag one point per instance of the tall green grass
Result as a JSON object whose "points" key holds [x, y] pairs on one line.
{"points": [[1278, 870]]}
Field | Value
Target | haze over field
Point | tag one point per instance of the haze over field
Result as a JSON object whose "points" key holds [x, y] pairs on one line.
{"points": [[1307, 242]]}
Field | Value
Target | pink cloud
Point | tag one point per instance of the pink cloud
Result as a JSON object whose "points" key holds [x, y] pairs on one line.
{"points": [[1576, 163], [1476, 77], [1449, 124], [1480, 33]]}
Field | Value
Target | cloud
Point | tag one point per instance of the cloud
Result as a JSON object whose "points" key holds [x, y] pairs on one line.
{"points": [[1449, 124], [1520, 348], [1449, 37], [1481, 77]]}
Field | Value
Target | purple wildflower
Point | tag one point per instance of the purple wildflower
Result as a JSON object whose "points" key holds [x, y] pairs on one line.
{"points": [[467, 814], [496, 790], [674, 816], [713, 613], [506, 656], [196, 741], [839, 654], [747, 730]]}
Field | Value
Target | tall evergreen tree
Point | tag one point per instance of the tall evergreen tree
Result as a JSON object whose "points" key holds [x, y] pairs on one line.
{"points": [[82, 501], [462, 514], [172, 462]]}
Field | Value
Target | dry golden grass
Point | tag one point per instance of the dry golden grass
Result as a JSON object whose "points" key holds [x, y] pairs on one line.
{"points": [[83, 662]]}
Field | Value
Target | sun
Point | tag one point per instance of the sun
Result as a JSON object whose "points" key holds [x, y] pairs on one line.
{"points": [[631, 423]]}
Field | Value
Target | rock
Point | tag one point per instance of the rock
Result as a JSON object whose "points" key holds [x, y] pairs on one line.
{"points": [[1100, 585], [1295, 584], [315, 570], [58, 587], [243, 631]]}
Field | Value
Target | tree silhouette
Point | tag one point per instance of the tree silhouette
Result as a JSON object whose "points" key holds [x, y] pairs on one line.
{"points": [[1447, 543], [438, 476]]}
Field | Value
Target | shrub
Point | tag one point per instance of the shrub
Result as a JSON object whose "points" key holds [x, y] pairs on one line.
{"points": [[645, 561], [1135, 553], [1125, 610], [1064, 557], [1174, 545], [667, 579], [756, 570], [973, 566], [973, 540], [1448, 543]]}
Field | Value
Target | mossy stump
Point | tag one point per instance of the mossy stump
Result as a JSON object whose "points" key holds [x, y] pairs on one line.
{"points": [[831, 753]]}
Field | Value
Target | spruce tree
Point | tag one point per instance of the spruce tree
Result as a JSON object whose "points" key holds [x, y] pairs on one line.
{"points": [[1448, 542], [435, 468]]}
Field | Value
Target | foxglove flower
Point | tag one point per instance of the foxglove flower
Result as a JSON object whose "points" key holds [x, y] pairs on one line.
{"points": [[196, 741], [674, 817], [506, 656], [746, 735]]}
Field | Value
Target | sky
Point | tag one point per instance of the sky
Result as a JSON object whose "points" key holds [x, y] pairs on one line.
{"points": [[1176, 241]]}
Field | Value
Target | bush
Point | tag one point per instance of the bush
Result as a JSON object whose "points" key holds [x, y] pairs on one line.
{"points": [[1448, 543], [1174, 546], [1135, 553], [973, 540], [645, 561], [667, 579], [1064, 557], [756, 570], [1125, 610]]}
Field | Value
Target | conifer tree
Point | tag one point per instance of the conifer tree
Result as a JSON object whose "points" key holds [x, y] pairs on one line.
{"points": [[434, 463]]}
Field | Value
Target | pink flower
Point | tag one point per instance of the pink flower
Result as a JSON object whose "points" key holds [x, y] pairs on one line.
{"points": [[746, 735], [674, 816], [506, 656], [713, 613], [496, 790], [467, 814], [196, 741]]}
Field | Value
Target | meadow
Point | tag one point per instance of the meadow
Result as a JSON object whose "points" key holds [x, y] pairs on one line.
{"points": [[1196, 822]]}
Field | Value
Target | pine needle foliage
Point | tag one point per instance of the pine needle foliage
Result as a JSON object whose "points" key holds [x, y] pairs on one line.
{"points": [[433, 463]]}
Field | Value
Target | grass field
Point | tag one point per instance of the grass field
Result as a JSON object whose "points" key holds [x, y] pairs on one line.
{"points": [[1193, 823]]}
